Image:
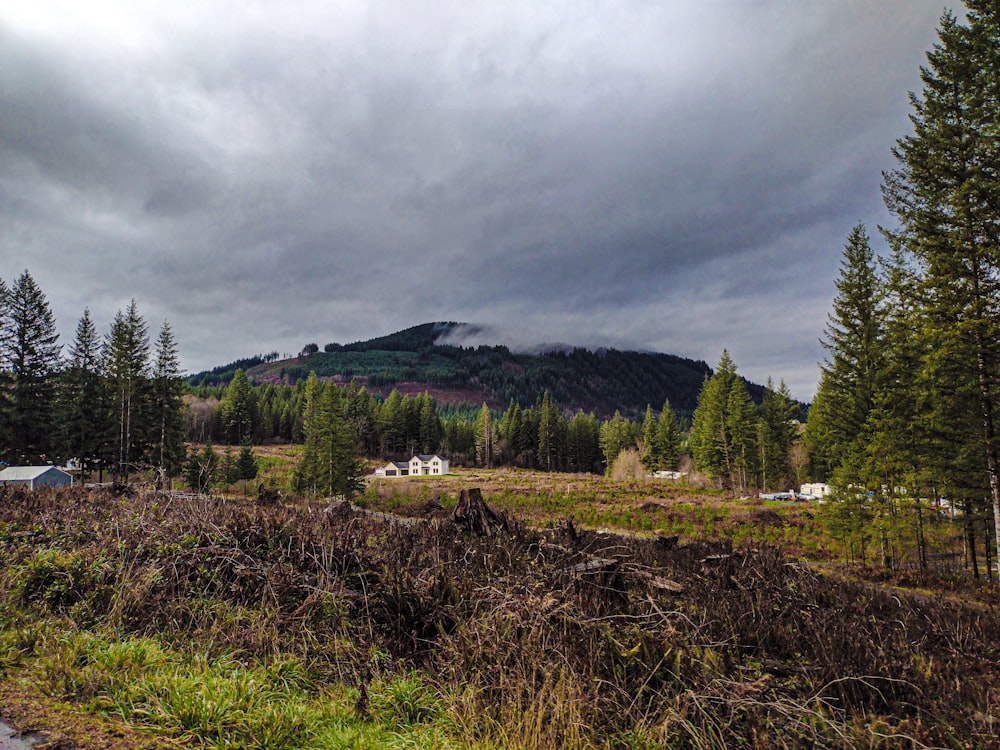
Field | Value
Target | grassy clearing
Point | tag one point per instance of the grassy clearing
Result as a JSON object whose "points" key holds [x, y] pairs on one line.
{"points": [[217, 623]]}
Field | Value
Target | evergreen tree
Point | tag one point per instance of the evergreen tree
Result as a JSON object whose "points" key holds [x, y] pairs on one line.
{"points": [[551, 434], [668, 438], [126, 362], [430, 426], [484, 437], [650, 455], [84, 425], [246, 464], [168, 389], [776, 435], [945, 194], [583, 443], [392, 425], [711, 442], [240, 415], [5, 445], [851, 377], [33, 363], [330, 464], [617, 435], [307, 473]]}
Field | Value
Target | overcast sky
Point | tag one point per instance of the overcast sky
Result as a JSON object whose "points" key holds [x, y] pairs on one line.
{"points": [[677, 176]]}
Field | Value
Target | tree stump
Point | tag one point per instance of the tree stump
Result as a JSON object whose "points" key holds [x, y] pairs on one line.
{"points": [[267, 496], [473, 514]]}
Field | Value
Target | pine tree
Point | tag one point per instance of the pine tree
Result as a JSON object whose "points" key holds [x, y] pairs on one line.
{"points": [[5, 446], [851, 377], [240, 415], [84, 414], [168, 390], [330, 463], [246, 464], [650, 455], [711, 442], [126, 362], [741, 425], [583, 443], [392, 425], [484, 437], [945, 195], [33, 363], [430, 425], [668, 438], [307, 473], [551, 434], [777, 433]]}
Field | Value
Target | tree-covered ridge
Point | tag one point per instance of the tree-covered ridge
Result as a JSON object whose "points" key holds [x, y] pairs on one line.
{"points": [[602, 381]]}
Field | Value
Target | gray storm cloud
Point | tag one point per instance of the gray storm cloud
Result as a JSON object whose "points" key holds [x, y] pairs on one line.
{"points": [[674, 176]]}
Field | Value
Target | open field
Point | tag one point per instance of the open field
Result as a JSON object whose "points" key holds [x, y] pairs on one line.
{"points": [[219, 623]]}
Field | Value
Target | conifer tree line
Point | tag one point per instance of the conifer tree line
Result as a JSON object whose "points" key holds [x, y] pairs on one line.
{"points": [[905, 412], [113, 402], [398, 426], [539, 437], [743, 447]]}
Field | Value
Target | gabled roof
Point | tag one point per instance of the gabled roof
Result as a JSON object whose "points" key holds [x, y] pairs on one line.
{"points": [[426, 458], [26, 473]]}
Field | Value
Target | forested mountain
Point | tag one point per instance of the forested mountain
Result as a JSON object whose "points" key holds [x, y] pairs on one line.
{"points": [[602, 381]]}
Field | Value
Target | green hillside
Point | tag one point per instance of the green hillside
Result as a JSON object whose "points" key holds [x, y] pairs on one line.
{"points": [[601, 381]]}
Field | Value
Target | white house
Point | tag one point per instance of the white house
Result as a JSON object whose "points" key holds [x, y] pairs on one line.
{"points": [[419, 465], [393, 469], [33, 477], [428, 465]]}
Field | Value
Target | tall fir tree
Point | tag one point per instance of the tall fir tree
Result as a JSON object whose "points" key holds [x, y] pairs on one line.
{"points": [[485, 438], [668, 438], [240, 412], [945, 194], [84, 422], [126, 363], [33, 363], [430, 425], [330, 463], [168, 448], [851, 376], [5, 445], [583, 443], [711, 441], [776, 435], [551, 434], [307, 473], [650, 455]]}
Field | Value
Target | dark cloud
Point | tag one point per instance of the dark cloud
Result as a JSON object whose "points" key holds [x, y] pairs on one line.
{"points": [[666, 176]]}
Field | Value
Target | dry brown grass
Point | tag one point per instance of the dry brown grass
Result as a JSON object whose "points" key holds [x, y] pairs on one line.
{"points": [[563, 637]]}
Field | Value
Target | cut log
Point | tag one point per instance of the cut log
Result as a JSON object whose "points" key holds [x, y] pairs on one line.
{"points": [[665, 584], [593, 564]]}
